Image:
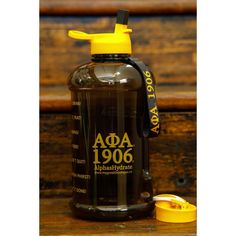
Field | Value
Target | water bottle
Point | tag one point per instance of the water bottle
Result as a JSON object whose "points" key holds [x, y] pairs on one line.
{"points": [[114, 112]]}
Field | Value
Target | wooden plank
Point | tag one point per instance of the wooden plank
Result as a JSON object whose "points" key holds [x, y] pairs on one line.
{"points": [[172, 154], [167, 44], [56, 219], [90, 7], [57, 98]]}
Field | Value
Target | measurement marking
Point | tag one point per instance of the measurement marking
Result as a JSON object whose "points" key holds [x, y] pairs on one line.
{"points": [[81, 176], [74, 117], [75, 146], [78, 161], [76, 103], [79, 190], [75, 131]]}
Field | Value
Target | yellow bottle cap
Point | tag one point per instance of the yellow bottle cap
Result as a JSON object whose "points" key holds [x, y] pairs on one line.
{"points": [[117, 42], [174, 209]]}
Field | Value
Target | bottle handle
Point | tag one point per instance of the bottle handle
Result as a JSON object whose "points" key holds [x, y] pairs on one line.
{"points": [[151, 117]]}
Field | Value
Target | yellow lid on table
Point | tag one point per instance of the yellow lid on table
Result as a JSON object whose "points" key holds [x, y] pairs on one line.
{"points": [[174, 209]]}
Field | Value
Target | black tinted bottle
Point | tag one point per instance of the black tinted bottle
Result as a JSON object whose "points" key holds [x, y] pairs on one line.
{"points": [[110, 172]]}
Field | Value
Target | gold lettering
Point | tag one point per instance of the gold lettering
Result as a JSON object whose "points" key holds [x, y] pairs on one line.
{"points": [[147, 74], [100, 141], [154, 110], [156, 129], [151, 95], [125, 139], [149, 81], [150, 88], [154, 120], [112, 140]]}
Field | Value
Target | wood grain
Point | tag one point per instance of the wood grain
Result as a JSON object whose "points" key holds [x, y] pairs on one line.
{"points": [[166, 43], [57, 98], [56, 219], [98, 7], [172, 154]]}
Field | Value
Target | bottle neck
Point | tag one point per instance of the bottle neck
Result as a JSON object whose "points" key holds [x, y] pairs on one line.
{"points": [[109, 57]]}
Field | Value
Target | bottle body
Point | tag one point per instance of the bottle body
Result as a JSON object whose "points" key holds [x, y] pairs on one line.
{"points": [[110, 176]]}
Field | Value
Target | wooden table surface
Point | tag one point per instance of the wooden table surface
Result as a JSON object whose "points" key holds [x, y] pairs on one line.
{"points": [[56, 219]]}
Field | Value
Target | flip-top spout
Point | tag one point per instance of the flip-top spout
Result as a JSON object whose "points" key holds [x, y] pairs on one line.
{"points": [[117, 42]]}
